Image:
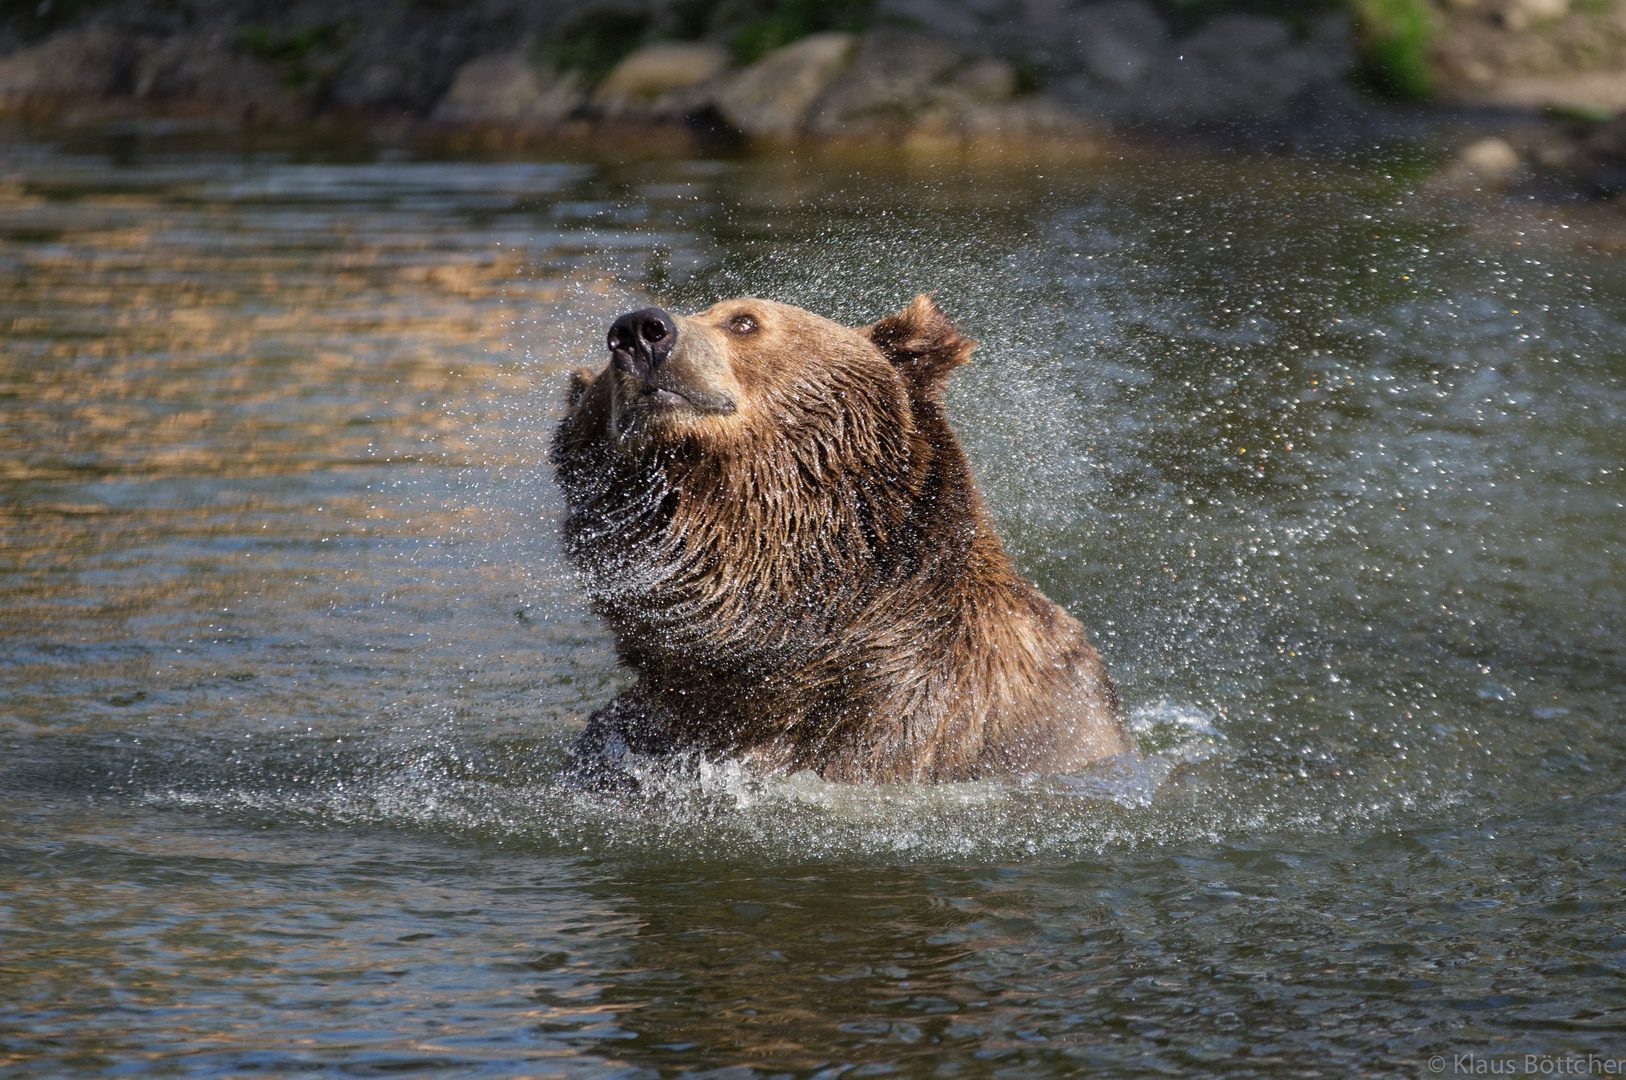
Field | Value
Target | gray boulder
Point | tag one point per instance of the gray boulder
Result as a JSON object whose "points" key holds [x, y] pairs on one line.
{"points": [[1119, 43], [899, 87], [770, 98], [104, 70], [504, 88], [1239, 70], [959, 22], [1250, 69], [894, 76], [662, 81], [402, 57], [72, 67], [987, 80], [205, 70]]}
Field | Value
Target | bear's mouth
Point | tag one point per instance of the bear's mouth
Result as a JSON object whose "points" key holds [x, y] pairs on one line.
{"points": [[666, 397]]}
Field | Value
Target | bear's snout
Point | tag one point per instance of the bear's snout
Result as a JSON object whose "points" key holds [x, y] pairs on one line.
{"points": [[671, 364], [640, 341]]}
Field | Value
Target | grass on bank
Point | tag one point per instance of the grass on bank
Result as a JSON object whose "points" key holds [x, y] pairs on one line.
{"points": [[1395, 39]]}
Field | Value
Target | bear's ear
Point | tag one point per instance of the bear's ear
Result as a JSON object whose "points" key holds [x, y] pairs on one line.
{"points": [[580, 380], [923, 345]]}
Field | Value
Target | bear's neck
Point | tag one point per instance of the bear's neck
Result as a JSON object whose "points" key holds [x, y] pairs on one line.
{"points": [[782, 566]]}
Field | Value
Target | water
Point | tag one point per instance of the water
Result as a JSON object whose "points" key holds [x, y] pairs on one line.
{"points": [[1328, 455]]}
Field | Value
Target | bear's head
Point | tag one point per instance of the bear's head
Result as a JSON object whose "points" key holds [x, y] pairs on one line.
{"points": [[732, 473], [749, 369]]}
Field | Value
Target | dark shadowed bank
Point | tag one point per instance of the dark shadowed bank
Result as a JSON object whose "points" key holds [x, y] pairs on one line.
{"points": [[1520, 87]]}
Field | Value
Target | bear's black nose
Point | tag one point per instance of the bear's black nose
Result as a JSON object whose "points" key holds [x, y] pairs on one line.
{"points": [[640, 341]]}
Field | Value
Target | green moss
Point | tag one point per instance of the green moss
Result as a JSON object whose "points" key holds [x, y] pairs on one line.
{"points": [[784, 21], [1586, 115], [690, 19], [1029, 75], [292, 52], [1394, 37], [596, 40]]}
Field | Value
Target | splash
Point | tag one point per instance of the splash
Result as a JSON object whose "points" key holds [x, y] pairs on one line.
{"points": [[688, 805]]}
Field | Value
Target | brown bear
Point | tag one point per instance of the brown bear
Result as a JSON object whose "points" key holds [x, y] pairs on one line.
{"points": [[772, 514]]}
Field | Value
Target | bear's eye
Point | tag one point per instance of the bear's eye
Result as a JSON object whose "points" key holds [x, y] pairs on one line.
{"points": [[742, 324]]}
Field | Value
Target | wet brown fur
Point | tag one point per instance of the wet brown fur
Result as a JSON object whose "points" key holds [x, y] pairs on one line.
{"points": [[811, 581]]}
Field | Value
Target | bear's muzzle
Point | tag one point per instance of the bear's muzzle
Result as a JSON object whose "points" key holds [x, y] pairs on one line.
{"points": [[671, 361]]}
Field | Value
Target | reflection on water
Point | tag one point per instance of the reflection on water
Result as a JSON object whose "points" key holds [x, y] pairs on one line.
{"points": [[288, 663]]}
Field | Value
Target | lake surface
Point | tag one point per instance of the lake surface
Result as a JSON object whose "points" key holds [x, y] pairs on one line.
{"points": [[1327, 454]]}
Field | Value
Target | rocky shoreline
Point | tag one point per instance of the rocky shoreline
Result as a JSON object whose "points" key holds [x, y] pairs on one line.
{"points": [[1541, 81]]}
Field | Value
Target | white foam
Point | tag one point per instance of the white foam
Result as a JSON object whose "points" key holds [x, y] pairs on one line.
{"points": [[1181, 734], [689, 805]]}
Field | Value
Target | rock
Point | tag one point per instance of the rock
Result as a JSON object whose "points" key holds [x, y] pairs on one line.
{"points": [[1113, 61], [1581, 91], [1119, 42], [1493, 156], [1236, 37], [204, 69], [1102, 41], [770, 98], [957, 22], [1238, 71], [70, 67], [1534, 54], [113, 71], [1492, 163], [375, 85], [987, 80], [891, 79], [395, 58], [1522, 14], [504, 88], [660, 79], [1243, 66]]}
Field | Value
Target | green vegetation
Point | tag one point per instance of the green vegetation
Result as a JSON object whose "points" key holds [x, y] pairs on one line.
{"points": [[785, 21], [594, 41], [1029, 75], [1586, 115], [293, 52], [1394, 38]]}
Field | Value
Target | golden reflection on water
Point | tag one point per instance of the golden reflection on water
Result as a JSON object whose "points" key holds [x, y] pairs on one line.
{"points": [[170, 360], [233, 416]]}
